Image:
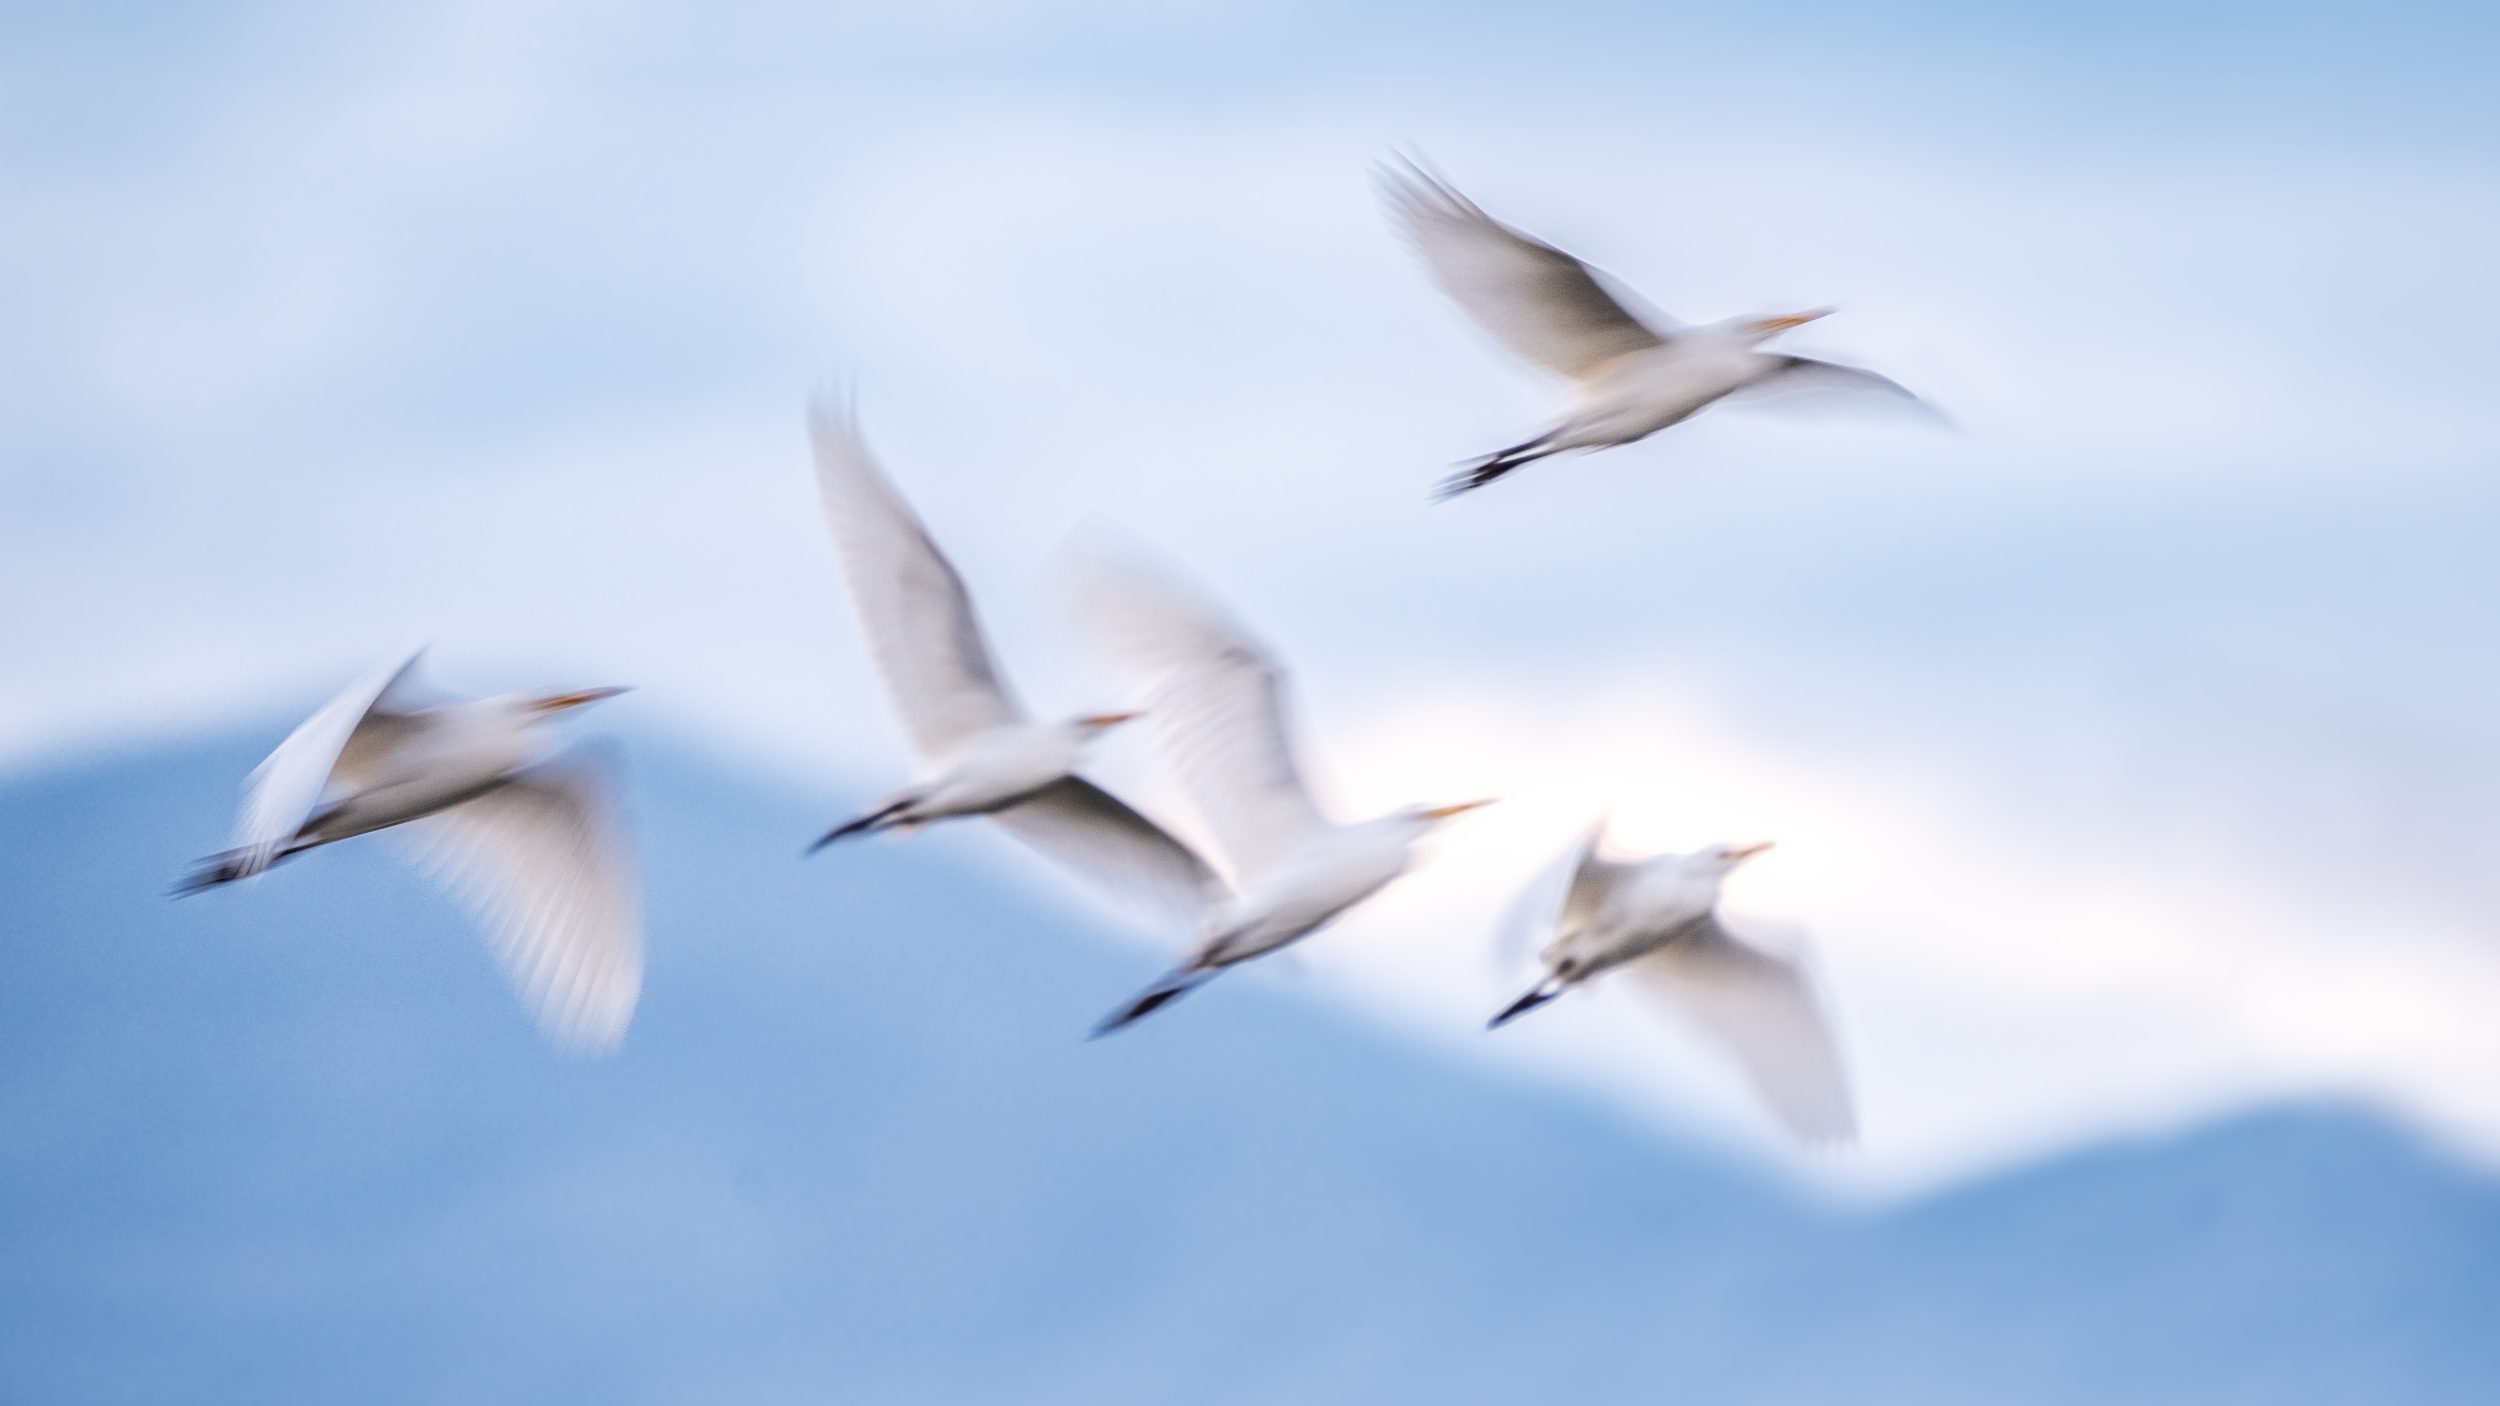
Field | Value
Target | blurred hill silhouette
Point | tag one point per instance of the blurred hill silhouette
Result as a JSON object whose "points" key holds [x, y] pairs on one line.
{"points": [[298, 1142]]}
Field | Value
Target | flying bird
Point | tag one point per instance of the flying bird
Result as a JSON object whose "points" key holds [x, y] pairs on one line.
{"points": [[980, 753], [1630, 370], [1657, 920], [520, 835], [1215, 699]]}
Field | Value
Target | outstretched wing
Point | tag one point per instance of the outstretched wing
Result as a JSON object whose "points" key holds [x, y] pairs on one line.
{"points": [[1539, 302], [1805, 375], [1215, 699], [283, 789], [539, 863], [1558, 899], [912, 606], [1763, 1011], [1086, 829], [1593, 881]]}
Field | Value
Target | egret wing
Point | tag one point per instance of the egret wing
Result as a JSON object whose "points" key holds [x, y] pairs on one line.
{"points": [[1544, 909], [1542, 304], [283, 789], [1594, 880], [538, 861], [910, 602], [1764, 1012], [1216, 700], [1800, 375], [1084, 828]]}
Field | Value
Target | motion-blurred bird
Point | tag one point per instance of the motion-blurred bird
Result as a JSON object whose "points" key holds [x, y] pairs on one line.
{"points": [[1216, 701], [521, 837], [1631, 373], [1657, 919], [980, 754]]}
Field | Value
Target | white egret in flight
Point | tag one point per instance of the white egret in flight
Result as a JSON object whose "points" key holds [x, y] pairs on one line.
{"points": [[522, 837], [1630, 370], [1657, 921], [980, 754], [1215, 699]]}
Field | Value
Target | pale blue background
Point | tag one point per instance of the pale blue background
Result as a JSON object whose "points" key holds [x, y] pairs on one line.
{"points": [[2131, 750]]}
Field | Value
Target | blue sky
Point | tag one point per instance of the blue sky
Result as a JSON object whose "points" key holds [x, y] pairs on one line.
{"points": [[2130, 749]]}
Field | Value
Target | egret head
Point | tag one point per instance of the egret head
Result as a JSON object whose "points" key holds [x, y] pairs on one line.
{"points": [[1761, 328], [1722, 859], [548, 705]]}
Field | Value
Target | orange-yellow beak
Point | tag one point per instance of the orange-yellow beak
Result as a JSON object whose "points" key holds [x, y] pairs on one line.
{"points": [[1108, 719], [1744, 852], [558, 702], [1445, 812], [1796, 319]]}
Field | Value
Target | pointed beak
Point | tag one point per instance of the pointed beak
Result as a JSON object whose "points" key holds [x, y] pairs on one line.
{"points": [[1796, 319], [1744, 852], [1108, 719], [1445, 812], [558, 702]]}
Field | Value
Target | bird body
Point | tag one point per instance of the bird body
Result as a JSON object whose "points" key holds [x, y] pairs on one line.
{"points": [[1338, 870], [403, 767], [518, 833], [1636, 910], [981, 755], [1639, 393], [1628, 370], [1656, 920], [993, 769], [1215, 698]]}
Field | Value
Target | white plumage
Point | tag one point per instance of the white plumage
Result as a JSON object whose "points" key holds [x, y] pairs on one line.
{"points": [[980, 754], [1657, 920], [1215, 699], [523, 840], [536, 860], [1630, 370]]}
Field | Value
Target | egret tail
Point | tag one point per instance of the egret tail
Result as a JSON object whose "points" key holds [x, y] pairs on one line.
{"points": [[860, 826], [1174, 985], [1538, 995], [224, 868], [1479, 472]]}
